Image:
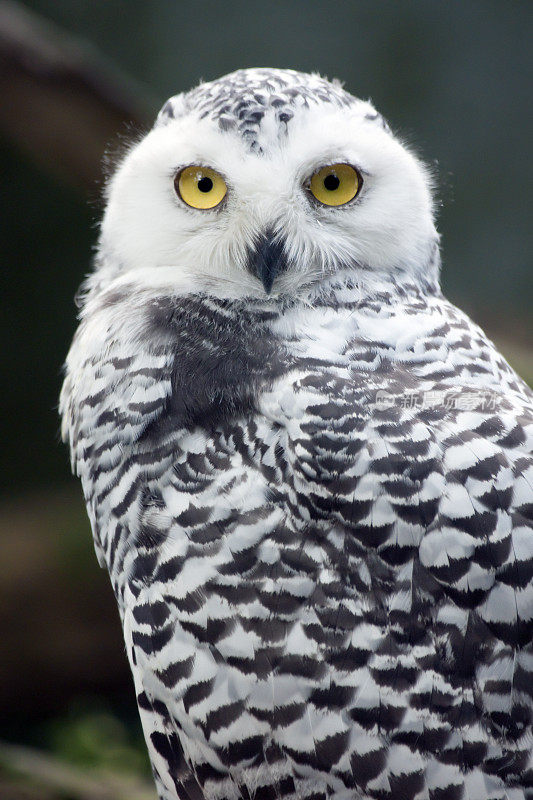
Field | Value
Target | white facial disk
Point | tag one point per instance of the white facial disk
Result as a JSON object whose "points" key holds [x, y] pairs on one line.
{"points": [[266, 133]]}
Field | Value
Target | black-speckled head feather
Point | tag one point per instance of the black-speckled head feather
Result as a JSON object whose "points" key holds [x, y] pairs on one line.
{"points": [[240, 100]]}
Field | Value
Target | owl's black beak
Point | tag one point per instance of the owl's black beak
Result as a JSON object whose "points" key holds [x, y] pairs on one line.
{"points": [[266, 260]]}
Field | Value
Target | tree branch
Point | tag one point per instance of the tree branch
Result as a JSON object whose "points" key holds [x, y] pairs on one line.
{"points": [[62, 102], [54, 779]]}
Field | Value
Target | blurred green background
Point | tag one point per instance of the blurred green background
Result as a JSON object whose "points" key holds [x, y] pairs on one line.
{"points": [[453, 78]]}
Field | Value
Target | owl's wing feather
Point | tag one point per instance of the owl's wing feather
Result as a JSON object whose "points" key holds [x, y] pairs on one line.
{"points": [[329, 591], [427, 477]]}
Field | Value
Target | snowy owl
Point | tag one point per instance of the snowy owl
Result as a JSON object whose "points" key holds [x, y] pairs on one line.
{"points": [[308, 474]]}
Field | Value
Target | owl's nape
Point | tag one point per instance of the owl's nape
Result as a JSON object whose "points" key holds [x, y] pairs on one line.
{"points": [[308, 474]]}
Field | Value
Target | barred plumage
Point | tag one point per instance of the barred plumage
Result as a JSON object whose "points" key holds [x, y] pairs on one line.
{"points": [[315, 505]]}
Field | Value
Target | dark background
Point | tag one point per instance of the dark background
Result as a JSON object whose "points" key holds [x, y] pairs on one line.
{"points": [[454, 79]]}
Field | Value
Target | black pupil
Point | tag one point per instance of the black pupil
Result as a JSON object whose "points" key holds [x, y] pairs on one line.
{"points": [[331, 182], [205, 184]]}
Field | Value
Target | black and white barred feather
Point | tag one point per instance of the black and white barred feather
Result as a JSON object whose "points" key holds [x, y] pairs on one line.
{"points": [[317, 514]]}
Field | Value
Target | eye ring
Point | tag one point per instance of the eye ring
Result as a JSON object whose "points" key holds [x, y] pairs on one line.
{"points": [[335, 185], [199, 187]]}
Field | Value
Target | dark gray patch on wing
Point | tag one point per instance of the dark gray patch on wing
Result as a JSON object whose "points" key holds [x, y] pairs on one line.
{"points": [[223, 356]]}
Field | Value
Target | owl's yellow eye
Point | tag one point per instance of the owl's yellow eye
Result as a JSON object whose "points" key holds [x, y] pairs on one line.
{"points": [[335, 185], [200, 187]]}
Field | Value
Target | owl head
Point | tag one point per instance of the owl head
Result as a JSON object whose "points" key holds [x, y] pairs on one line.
{"points": [[266, 181]]}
